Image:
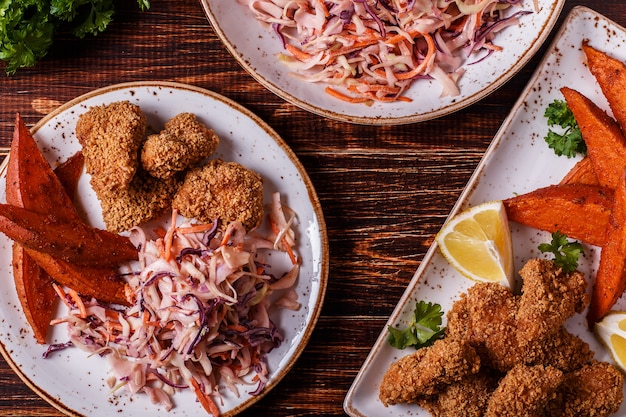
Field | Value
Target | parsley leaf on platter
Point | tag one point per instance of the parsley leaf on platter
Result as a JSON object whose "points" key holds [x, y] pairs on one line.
{"points": [[568, 140], [424, 329], [566, 253]]}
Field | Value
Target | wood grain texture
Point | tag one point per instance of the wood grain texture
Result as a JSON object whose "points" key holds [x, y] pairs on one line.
{"points": [[385, 191]]}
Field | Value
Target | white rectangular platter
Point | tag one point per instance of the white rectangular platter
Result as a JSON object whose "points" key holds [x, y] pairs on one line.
{"points": [[517, 161]]}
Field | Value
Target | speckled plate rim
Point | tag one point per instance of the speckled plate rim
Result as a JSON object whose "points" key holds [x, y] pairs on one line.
{"points": [[502, 172], [319, 271], [387, 113]]}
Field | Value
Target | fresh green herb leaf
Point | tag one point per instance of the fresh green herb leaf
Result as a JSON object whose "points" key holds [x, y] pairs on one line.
{"points": [[568, 140], [424, 329], [566, 253], [27, 27]]}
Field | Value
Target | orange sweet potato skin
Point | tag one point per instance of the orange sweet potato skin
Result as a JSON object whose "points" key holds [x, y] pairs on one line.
{"points": [[35, 292], [579, 211], [610, 73], [72, 242], [606, 145], [581, 173], [611, 278], [98, 282]]}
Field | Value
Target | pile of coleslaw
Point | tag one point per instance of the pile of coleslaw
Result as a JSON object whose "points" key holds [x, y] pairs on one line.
{"points": [[200, 315], [373, 50]]}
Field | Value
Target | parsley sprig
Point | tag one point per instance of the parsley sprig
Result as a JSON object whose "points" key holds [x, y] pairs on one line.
{"points": [[27, 27], [568, 140], [424, 329], [566, 253]]}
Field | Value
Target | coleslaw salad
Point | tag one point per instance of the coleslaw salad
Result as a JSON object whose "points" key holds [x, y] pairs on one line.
{"points": [[373, 50], [201, 302]]}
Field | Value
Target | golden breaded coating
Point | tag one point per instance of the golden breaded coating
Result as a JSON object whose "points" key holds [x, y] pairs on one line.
{"points": [[491, 310], [549, 297], [222, 190], [111, 136], [465, 398], [562, 350], [595, 390], [547, 371], [146, 198], [183, 143], [427, 370], [524, 391]]}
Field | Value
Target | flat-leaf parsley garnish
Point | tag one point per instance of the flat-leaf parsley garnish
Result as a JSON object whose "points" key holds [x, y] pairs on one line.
{"points": [[566, 253], [424, 329], [568, 140]]}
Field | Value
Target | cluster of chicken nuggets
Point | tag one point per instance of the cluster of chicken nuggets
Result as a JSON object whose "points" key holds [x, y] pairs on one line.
{"points": [[510, 355], [138, 177]]}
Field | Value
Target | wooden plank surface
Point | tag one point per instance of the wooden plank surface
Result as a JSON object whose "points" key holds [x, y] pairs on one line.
{"points": [[385, 191]]}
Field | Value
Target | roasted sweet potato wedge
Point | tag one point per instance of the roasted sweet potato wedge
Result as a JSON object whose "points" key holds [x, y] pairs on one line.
{"points": [[71, 242], [611, 276], [579, 211], [98, 282], [606, 145], [35, 292], [610, 73], [33, 283], [581, 173]]}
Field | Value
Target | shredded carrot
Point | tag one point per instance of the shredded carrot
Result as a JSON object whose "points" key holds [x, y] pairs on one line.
{"points": [[79, 303], [420, 68], [196, 228], [298, 53], [61, 295], [349, 99], [207, 403], [322, 6], [169, 237]]}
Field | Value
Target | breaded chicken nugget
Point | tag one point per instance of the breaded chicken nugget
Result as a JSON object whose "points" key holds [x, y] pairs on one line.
{"points": [[222, 190], [111, 136], [549, 297], [183, 143], [427, 370], [524, 391], [595, 390], [465, 398], [145, 199]]}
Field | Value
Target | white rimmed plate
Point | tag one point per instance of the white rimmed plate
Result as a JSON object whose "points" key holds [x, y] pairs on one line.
{"points": [[75, 383], [517, 161], [256, 49]]}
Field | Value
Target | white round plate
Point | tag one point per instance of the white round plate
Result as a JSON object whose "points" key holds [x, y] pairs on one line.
{"points": [[256, 49], [75, 383]]}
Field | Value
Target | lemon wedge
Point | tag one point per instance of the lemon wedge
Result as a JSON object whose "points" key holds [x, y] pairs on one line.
{"points": [[611, 331], [477, 242]]}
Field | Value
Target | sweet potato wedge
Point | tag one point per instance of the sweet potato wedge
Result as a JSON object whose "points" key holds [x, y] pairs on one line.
{"points": [[611, 277], [33, 283], [98, 282], [35, 292], [606, 145], [581, 173], [579, 211], [72, 242], [610, 73]]}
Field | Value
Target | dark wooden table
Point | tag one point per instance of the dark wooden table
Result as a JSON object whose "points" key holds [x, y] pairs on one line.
{"points": [[385, 191]]}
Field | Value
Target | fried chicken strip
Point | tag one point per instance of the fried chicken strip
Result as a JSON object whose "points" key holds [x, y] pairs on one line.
{"points": [[427, 370], [595, 390], [549, 297], [524, 391], [466, 398]]}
